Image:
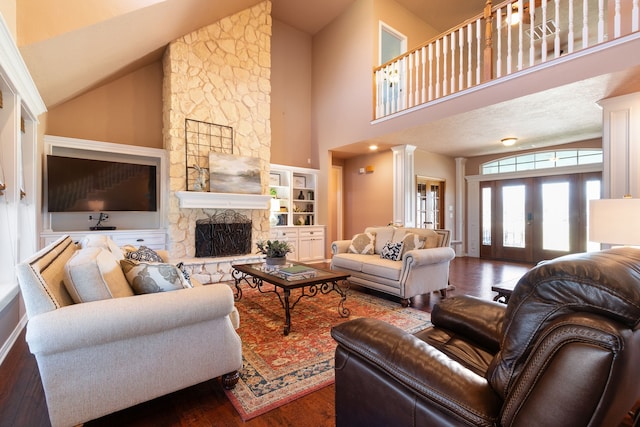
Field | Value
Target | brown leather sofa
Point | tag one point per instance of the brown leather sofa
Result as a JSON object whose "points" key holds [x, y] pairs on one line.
{"points": [[564, 352]]}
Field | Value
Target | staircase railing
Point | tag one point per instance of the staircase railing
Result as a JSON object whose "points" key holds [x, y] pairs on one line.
{"points": [[506, 38]]}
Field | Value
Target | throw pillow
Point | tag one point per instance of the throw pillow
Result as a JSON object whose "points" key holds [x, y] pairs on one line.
{"points": [[144, 253], [150, 277], [363, 243], [412, 241], [184, 272], [93, 274], [392, 251]]}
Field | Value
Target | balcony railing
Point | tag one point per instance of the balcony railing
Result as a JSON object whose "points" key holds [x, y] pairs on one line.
{"points": [[504, 39]]}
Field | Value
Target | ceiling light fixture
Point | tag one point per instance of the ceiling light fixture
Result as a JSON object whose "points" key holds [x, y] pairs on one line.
{"points": [[508, 142], [373, 147]]}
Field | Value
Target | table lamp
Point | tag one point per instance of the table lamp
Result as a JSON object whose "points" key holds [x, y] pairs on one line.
{"points": [[615, 221]]}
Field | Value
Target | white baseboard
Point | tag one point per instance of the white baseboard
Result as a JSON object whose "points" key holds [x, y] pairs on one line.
{"points": [[8, 344]]}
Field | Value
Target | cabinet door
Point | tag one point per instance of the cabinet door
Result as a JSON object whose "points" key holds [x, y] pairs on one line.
{"points": [[311, 244], [289, 235]]}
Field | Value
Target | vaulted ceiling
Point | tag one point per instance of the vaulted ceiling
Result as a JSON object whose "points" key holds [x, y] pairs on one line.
{"points": [[73, 46]]}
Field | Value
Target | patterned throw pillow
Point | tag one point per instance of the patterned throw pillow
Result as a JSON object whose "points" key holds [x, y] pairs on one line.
{"points": [[363, 243], [392, 251], [150, 277], [144, 254], [184, 272], [412, 241]]}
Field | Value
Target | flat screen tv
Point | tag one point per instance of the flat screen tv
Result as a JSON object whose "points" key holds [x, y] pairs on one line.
{"points": [[87, 185]]}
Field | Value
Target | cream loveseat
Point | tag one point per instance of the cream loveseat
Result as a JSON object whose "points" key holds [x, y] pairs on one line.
{"points": [[404, 262], [119, 349]]}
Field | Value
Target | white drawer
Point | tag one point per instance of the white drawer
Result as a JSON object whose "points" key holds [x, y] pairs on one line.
{"points": [[150, 240], [312, 232], [283, 233]]}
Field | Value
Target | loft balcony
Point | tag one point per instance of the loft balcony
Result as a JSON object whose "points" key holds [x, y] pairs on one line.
{"points": [[505, 39]]}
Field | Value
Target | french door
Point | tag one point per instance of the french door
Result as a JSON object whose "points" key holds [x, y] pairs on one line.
{"points": [[533, 219]]}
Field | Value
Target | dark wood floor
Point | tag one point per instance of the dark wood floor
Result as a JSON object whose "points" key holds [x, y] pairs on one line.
{"points": [[22, 401]]}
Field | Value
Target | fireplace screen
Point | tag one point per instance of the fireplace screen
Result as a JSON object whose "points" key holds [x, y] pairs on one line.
{"points": [[223, 234]]}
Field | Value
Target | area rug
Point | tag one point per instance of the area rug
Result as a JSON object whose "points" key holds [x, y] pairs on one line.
{"points": [[278, 369]]}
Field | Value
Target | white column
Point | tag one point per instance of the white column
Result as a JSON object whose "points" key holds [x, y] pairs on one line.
{"points": [[404, 186], [621, 146]]}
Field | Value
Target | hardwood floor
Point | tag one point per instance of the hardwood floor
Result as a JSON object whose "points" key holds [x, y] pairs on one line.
{"points": [[22, 401]]}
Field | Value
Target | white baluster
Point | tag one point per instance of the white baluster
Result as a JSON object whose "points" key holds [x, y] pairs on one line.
{"points": [[438, 68], [585, 24], [430, 71], [423, 55], [508, 41], [635, 16], [570, 32], [556, 44], [378, 97], [532, 48], [469, 56], [404, 88], [543, 48], [479, 53], [445, 63], [410, 86], [499, 48], [520, 34], [461, 48], [452, 86], [600, 21]]}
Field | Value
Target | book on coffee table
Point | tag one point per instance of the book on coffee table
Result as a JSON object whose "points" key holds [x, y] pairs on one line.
{"points": [[296, 269]]}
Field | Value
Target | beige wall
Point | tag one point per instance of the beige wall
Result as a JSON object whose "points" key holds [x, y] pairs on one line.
{"points": [[291, 97], [368, 197], [8, 11], [343, 52], [125, 111]]}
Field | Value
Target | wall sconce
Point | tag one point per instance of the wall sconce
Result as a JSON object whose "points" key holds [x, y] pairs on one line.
{"points": [[508, 142]]}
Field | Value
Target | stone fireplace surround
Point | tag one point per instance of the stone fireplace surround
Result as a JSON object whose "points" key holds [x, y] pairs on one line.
{"points": [[218, 74]]}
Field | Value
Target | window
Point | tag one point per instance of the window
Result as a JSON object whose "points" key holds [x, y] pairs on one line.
{"points": [[543, 160]]}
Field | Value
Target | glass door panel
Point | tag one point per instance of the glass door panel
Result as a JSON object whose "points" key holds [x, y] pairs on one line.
{"points": [[555, 216], [513, 216], [512, 220]]}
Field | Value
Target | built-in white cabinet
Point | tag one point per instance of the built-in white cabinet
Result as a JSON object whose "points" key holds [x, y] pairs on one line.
{"points": [[307, 242], [294, 193], [154, 239]]}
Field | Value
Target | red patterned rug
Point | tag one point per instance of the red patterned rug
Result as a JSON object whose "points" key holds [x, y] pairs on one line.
{"points": [[278, 369]]}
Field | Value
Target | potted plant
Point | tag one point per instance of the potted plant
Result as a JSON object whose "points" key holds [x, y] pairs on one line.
{"points": [[275, 250]]}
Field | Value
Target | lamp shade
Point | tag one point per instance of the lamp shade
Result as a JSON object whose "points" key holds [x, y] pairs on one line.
{"points": [[614, 221]]}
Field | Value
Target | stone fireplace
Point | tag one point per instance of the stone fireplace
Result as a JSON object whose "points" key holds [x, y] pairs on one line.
{"points": [[218, 74]]}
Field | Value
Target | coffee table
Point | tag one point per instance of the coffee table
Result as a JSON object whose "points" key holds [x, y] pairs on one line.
{"points": [[313, 281]]}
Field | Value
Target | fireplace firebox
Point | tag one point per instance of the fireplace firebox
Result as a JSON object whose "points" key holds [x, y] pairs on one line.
{"points": [[223, 234]]}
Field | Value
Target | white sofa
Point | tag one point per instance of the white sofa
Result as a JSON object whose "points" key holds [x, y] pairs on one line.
{"points": [[422, 265], [120, 349]]}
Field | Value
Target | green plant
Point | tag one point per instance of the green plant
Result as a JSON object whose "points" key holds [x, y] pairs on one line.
{"points": [[273, 248]]}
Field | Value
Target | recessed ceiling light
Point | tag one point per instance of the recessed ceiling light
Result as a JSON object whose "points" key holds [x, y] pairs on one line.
{"points": [[508, 142], [373, 147]]}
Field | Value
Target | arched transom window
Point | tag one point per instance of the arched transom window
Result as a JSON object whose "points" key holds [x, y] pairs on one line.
{"points": [[543, 160]]}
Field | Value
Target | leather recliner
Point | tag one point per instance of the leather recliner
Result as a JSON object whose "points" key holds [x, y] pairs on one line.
{"points": [[565, 351]]}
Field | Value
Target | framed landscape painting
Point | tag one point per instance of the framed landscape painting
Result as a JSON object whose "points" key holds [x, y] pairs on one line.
{"points": [[229, 173]]}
